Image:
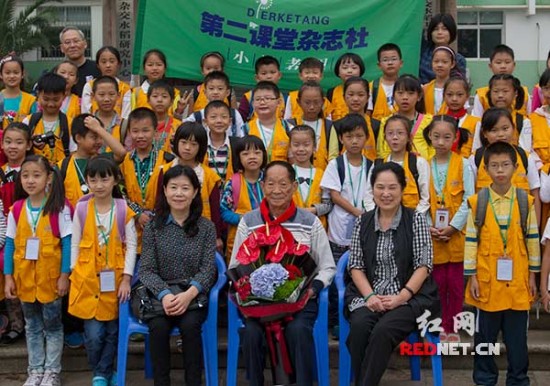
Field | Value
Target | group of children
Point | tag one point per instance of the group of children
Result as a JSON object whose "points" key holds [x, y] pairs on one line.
{"points": [[66, 159]]}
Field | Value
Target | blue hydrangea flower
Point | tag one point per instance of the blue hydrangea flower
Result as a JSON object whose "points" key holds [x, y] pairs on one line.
{"points": [[265, 280]]}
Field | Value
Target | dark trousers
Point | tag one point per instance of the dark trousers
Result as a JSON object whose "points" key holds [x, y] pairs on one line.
{"points": [[514, 326], [373, 337], [337, 252], [190, 326], [299, 340], [71, 323]]}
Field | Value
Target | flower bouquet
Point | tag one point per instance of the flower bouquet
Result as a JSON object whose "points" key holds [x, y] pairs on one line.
{"points": [[271, 284]]}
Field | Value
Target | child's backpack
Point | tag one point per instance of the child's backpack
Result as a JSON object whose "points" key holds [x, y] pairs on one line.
{"points": [[481, 209], [198, 119], [81, 211], [54, 217], [413, 168], [341, 167], [63, 126]]}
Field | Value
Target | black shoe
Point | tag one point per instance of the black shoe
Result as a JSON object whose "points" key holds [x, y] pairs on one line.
{"points": [[11, 337]]}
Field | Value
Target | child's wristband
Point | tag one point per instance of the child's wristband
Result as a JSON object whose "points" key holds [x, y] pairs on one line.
{"points": [[409, 290], [366, 298]]}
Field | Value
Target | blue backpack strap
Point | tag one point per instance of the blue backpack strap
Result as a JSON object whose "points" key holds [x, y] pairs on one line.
{"points": [[233, 122], [341, 169], [198, 116]]}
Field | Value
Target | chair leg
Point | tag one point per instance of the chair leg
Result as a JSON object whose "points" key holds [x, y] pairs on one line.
{"points": [[344, 358], [233, 341], [320, 335], [122, 357], [437, 364], [414, 360]]}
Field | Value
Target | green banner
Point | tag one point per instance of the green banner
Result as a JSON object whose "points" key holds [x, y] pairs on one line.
{"points": [[290, 30]]}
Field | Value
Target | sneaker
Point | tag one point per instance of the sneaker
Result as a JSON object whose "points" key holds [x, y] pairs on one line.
{"points": [[113, 381], [51, 379], [34, 379], [74, 340], [11, 337], [100, 381]]}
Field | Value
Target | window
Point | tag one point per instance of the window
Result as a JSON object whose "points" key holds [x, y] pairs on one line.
{"points": [[478, 33], [80, 17]]}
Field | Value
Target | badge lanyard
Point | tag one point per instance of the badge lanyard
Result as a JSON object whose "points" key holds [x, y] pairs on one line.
{"points": [[83, 185], [306, 199], [503, 234], [212, 158], [163, 134], [270, 150], [34, 220], [100, 227], [439, 185], [355, 195], [143, 180]]}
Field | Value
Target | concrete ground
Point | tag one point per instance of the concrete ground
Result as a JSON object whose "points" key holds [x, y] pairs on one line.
{"points": [[392, 377]]}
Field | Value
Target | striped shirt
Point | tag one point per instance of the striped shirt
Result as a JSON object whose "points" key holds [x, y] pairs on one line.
{"points": [[218, 158], [502, 209]]}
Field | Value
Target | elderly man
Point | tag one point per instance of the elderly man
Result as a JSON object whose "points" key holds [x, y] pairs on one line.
{"points": [[279, 185], [73, 45]]}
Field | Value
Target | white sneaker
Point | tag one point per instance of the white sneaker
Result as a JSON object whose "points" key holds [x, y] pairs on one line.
{"points": [[50, 379], [34, 379]]}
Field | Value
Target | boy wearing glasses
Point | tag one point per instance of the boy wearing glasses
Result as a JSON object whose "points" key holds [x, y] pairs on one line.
{"points": [[502, 256], [381, 102], [268, 125]]}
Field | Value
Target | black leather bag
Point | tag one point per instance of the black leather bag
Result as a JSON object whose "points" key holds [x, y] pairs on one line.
{"points": [[146, 306]]}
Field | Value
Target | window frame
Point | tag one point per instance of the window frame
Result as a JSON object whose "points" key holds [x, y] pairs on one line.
{"points": [[478, 27]]}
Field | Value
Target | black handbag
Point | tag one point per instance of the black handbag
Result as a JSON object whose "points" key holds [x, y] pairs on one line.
{"points": [[146, 306]]}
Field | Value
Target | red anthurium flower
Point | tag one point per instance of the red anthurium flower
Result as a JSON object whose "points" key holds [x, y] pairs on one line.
{"points": [[243, 288], [293, 271], [299, 249], [248, 253], [277, 252]]}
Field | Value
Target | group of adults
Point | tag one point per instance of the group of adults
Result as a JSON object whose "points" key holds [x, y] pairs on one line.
{"points": [[381, 304]]}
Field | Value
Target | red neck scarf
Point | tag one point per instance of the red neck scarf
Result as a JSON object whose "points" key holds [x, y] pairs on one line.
{"points": [[457, 114], [288, 213]]}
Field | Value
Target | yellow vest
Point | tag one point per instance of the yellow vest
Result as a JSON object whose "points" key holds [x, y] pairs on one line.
{"points": [[25, 106], [411, 197], [202, 101], [296, 110], [483, 92], [241, 207], [123, 88], [541, 137], [338, 103], [420, 145], [497, 295], [210, 180], [380, 105], [86, 301], [72, 183], [451, 251], [139, 99], [73, 107], [277, 149], [320, 156], [314, 195], [469, 123], [519, 179], [429, 99], [57, 153], [166, 144], [36, 280]]}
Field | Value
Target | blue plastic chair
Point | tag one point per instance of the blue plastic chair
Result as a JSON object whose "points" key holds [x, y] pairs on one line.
{"points": [[320, 336], [129, 324], [345, 375]]}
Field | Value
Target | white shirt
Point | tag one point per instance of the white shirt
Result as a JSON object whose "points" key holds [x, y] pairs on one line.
{"points": [[65, 222]]}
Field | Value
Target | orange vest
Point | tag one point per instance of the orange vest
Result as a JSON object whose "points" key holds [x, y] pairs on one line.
{"points": [[57, 153], [453, 194], [314, 194], [202, 101], [482, 94], [338, 103], [541, 137], [469, 123], [296, 110], [411, 197], [320, 156], [36, 280], [86, 301], [72, 183], [25, 106], [519, 179], [139, 99], [429, 99], [420, 146], [380, 105], [72, 108], [497, 295], [123, 88], [277, 149], [241, 207]]}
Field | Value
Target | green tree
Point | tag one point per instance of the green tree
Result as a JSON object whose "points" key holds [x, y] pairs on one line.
{"points": [[26, 30]]}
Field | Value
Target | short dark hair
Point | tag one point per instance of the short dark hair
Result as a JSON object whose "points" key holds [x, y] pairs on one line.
{"points": [[447, 20], [312, 63], [51, 83], [216, 105], [140, 114], [354, 80], [349, 57], [266, 60], [544, 78], [214, 54], [104, 79], [79, 128], [111, 49], [103, 166], [247, 142], [161, 84], [502, 49], [391, 167], [266, 85], [499, 148], [217, 75], [195, 131], [284, 164], [516, 84], [349, 123], [388, 47]]}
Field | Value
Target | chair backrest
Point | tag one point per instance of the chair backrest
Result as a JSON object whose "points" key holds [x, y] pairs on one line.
{"points": [[341, 271], [222, 278]]}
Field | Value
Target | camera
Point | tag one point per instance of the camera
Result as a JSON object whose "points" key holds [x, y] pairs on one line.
{"points": [[47, 138]]}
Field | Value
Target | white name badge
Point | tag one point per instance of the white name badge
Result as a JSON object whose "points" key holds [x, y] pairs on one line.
{"points": [[31, 248], [107, 281], [505, 267], [442, 218]]}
